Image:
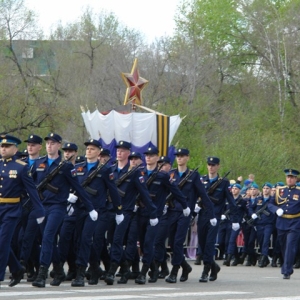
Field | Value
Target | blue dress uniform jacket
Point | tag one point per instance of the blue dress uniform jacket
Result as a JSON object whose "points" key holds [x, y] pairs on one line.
{"points": [[221, 193], [103, 182], [192, 189], [65, 178], [135, 183], [287, 198], [15, 178], [263, 219], [160, 188]]}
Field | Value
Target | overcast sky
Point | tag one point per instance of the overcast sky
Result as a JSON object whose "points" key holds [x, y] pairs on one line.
{"points": [[154, 18]]}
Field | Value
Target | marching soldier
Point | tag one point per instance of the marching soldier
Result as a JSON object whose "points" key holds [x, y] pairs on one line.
{"points": [[179, 220], [30, 246], [207, 231], [54, 194], [15, 177], [264, 222], [287, 207], [159, 186], [130, 182]]}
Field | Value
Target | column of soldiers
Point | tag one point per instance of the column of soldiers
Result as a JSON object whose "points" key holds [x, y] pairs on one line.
{"points": [[54, 209]]}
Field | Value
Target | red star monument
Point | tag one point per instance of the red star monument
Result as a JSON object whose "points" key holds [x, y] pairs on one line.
{"points": [[135, 84]]}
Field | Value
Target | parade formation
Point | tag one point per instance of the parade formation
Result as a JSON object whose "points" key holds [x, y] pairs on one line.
{"points": [[93, 214], [101, 215]]}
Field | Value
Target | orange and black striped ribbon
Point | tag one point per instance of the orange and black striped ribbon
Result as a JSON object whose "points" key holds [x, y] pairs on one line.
{"points": [[163, 125]]}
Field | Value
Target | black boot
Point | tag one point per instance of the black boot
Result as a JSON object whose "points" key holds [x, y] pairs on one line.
{"points": [[17, 277], [242, 258], [198, 260], [80, 274], [141, 279], [186, 269], [94, 271], [248, 261], [173, 275], [164, 270], [297, 262], [274, 261], [71, 274], [154, 266], [59, 274], [263, 261], [236, 261], [135, 269], [125, 274], [204, 276], [227, 260], [110, 276], [41, 277], [215, 269]]}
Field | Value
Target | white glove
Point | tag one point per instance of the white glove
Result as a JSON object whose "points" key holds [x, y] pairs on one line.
{"points": [[72, 198], [119, 219], [165, 209], [135, 208], [197, 209], [70, 210], [153, 222], [40, 220], [213, 222], [279, 212], [94, 215], [235, 226], [186, 212], [223, 217], [254, 216]]}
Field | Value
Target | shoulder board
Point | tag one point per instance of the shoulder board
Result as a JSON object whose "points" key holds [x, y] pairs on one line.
{"points": [[281, 187], [44, 156], [173, 170], [21, 162], [298, 187]]}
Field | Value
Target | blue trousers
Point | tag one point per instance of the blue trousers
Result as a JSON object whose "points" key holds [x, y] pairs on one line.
{"points": [[9, 217], [116, 251], [178, 227], [146, 235], [207, 236], [49, 229], [264, 233], [85, 240], [99, 240], [161, 237], [288, 240]]}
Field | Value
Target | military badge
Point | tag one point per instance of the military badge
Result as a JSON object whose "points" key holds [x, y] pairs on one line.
{"points": [[111, 176], [73, 173], [296, 197], [141, 179], [281, 192]]}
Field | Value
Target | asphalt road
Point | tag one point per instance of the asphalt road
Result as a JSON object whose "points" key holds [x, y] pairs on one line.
{"points": [[239, 282]]}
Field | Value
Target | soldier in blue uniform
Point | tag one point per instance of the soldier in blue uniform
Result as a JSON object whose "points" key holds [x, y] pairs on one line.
{"points": [[207, 233], [242, 210], [130, 184], [15, 177], [178, 222], [66, 250], [159, 186], [97, 188], [287, 207], [54, 199], [264, 223], [30, 246]]}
